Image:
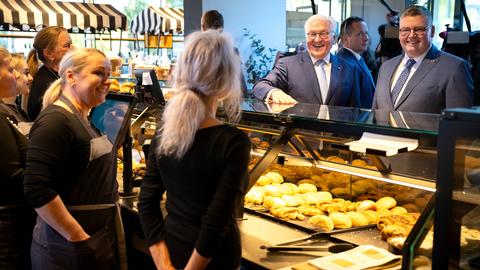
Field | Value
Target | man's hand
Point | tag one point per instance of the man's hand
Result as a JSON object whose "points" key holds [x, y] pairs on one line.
{"points": [[278, 96], [161, 256]]}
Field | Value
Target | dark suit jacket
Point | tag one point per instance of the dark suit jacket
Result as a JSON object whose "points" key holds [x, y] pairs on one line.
{"points": [[441, 81], [296, 76], [367, 86]]}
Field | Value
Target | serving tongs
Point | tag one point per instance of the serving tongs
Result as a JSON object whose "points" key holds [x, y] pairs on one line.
{"points": [[319, 237]]}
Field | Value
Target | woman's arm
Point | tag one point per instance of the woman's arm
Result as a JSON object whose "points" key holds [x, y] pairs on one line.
{"points": [[55, 214]]}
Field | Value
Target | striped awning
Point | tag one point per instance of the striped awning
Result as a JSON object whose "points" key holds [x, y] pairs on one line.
{"points": [[33, 13], [153, 20]]}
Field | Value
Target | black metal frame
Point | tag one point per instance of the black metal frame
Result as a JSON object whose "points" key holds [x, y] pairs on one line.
{"points": [[456, 123]]}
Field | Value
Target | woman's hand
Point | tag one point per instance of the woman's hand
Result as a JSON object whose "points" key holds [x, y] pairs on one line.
{"points": [[161, 256]]}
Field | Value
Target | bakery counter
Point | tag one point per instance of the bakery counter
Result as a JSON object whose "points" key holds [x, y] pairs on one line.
{"points": [[255, 232]]}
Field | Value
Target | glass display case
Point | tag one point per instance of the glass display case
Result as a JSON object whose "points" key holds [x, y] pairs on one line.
{"points": [[457, 223]]}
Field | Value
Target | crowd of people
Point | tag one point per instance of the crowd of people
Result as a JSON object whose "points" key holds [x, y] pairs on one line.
{"points": [[58, 207]]}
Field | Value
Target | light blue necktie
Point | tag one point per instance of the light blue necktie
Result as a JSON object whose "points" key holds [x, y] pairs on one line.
{"points": [[322, 80], [402, 79]]}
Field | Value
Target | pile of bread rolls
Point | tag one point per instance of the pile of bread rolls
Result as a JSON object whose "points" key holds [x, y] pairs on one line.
{"points": [[297, 201]]}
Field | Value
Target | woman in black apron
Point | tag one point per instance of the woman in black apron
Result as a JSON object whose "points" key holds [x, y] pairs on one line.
{"points": [[71, 172], [16, 217]]}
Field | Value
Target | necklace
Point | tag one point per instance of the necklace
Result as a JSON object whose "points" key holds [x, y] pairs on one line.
{"points": [[53, 72]]}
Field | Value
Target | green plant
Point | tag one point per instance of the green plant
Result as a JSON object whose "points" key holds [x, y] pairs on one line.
{"points": [[260, 61]]}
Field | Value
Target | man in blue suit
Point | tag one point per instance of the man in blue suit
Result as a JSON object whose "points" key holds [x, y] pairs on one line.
{"points": [[354, 38], [313, 76], [423, 79]]}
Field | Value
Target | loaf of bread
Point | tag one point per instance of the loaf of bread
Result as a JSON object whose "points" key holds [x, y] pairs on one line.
{"points": [[386, 203]]}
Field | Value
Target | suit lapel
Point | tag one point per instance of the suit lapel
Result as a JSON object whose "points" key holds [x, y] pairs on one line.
{"points": [[335, 73], [308, 69], [387, 84], [430, 60]]}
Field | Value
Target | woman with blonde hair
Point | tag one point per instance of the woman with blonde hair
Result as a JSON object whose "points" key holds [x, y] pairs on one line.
{"points": [[24, 80], [199, 161], [71, 171], [16, 216], [49, 46]]}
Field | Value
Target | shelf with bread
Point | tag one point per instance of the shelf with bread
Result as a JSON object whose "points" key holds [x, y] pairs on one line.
{"points": [[299, 178]]}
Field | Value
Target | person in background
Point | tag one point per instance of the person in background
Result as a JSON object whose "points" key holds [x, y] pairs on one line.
{"points": [[354, 36], [212, 19], [423, 79], [314, 76], [16, 216], [389, 45], [70, 175], [49, 46], [205, 174], [24, 80]]}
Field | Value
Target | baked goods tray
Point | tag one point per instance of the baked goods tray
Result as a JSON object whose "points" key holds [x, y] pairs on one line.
{"points": [[302, 225], [366, 236]]}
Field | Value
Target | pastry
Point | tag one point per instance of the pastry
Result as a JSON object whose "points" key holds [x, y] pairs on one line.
{"points": [[254, 195], [351, 206], [263, 181], [274, 190], [357, 219], [273, 202], [371, 216], [289, 189], [411, 208], [329, 206], [395, 230], [305, 188], [340, 220], [397, 210], [359, 163], [323, 195], [386, 203], [290, 200], [275, 177], [309, 210], [366, 205], [384, 212], [336, 159], [306, 181], [321, 222], [287, 213], [341, 192], [396, 242]]}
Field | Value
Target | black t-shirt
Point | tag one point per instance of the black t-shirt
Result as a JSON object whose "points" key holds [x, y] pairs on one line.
{"points": [[13, 146], [43, 79], [204, 190]]}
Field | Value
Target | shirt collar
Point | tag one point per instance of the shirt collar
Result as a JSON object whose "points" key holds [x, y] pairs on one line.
{"points": [[358, 56], [417, 59], [326, 59]]}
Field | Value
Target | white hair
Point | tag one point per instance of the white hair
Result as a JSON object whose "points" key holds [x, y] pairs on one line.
{"points": [[206, 69], [319, 17]]}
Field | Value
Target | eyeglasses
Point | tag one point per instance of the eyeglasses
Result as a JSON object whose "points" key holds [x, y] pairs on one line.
{"points": [[322, 35], [418, 30]]}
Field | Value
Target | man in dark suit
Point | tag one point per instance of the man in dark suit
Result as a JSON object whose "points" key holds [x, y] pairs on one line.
{"points": [[423, 79], [313, 76], [212, 19], [354, 38]]}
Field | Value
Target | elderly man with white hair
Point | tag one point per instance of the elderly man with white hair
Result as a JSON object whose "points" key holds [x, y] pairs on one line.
{"points": [[314, 76]]}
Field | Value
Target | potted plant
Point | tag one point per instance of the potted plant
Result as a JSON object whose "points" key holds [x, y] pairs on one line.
{"points": [[260, 61]]}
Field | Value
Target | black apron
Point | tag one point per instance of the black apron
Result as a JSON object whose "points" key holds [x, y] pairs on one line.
{"points": [[92, 202]]}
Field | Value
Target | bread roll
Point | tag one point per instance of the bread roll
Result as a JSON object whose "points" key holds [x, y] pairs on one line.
{"points": [[305, 188], [341, 192], [359, 163], [371, 216], [309, 210], [366, 205], [321, 222], [395, 230], [411, 208], [336, 159], [290, 200], [329, 207], [357, 219], [324, 195], [306, 181], [275, 177], [340, 220], [386, 203], [274, 190], [397, 210], [289, 189]]}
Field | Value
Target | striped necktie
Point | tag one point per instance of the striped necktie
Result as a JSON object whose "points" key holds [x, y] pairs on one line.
{"points": [[402, 79]]}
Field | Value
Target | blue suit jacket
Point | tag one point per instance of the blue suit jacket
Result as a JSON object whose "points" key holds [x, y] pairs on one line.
{"points": [[441, 81], [367, 86], [296, 76]]}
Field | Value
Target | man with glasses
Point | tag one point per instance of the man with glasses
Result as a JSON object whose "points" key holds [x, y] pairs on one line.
{"points": [[354, 38], [423, 79], [313, 76]]}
